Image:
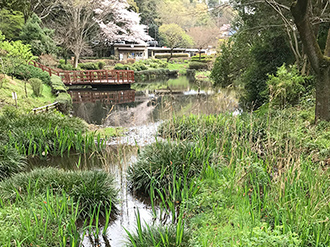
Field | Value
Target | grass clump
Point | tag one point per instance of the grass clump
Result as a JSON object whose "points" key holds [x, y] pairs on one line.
{"points": [[37, 86], [47, 134], [158, 236], [89, 189], [160, 163], [11, 162]]}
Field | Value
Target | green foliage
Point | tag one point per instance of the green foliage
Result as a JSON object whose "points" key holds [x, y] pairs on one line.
{"points": [[11, 23], [57, 85], [13, 54], [120, 66], [64, 66], [202, 58], [100, 64], [158, 236], [264, 236], [43, 134], [89, 188], [223, 69], [40, 39], [286, 87], [161, 162], [160, 56], [65, 102], [37, 86], [89, 66], [268, 56], [3, 81], [174, 35], [11, 161], [26, 72], [198, 65], [269, 160]]}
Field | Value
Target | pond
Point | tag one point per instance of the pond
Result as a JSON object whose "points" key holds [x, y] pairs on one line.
{"points": [[140, 110]]}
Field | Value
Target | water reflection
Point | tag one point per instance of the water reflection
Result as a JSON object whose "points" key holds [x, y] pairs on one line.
{"points": [[151, 102]]}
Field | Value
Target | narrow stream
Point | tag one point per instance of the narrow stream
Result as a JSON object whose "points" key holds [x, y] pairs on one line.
{"points": [[140, 111]]}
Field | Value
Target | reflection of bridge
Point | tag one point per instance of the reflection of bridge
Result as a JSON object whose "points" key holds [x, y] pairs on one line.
{"points": [[90, 77], [111, 97]]}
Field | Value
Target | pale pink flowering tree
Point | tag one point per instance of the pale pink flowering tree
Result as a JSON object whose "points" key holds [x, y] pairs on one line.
{"points": [[115, 22]]}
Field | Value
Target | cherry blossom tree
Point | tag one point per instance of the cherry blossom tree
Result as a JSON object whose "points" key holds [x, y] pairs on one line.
{"points": [[110, 17]]}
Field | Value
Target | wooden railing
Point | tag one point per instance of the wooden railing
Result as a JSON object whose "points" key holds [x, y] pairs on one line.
{"points": [[46, 108], [90, 77], [112, 97], [45, 68]]}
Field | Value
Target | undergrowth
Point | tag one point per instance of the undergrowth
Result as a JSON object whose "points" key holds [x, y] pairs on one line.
{"points": [[269, 185]]}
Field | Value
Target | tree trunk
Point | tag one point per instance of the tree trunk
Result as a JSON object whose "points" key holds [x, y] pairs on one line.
{"points": [[322, 108], [76, 59], [319, 62], [170, 55]]}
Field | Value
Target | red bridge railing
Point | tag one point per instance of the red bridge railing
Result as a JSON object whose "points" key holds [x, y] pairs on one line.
{"points": [[115, 97], [90, 77]]}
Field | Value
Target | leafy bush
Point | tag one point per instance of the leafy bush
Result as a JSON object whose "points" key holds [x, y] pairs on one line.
{"points": [[160, 56], [89, 66], [65, 102], [11, 161], [90, 188], [57, 85], [3, 81], [120, 66], [198, 65], [101, 64], [203, 58], [37, 86], [26, 72], [64, 66], [286, 87], [40, 39]]}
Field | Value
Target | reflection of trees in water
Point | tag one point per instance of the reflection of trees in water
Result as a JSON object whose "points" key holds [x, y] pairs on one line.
{"points": [[130, 116], [91, 112]]}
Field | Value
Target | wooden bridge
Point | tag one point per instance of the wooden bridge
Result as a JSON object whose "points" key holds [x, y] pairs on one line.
{"points": [[90, 77]]}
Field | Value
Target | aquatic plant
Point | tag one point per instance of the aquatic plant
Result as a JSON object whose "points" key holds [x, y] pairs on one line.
{"points": [[45, 134], [11, 161], [169, 235], [161, 162], [87, 188]]}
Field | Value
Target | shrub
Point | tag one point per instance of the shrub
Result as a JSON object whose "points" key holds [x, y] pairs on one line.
{"points": [[11, 161], [26, 72], [154, 65], [88, 66], [198, 65], [101, 64], [65, 102], [173, 55], [120, 66], [57, 85], [3, 81], [203, 58], [90, 188], [64, 66], [285, 87], [37, 86]]}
